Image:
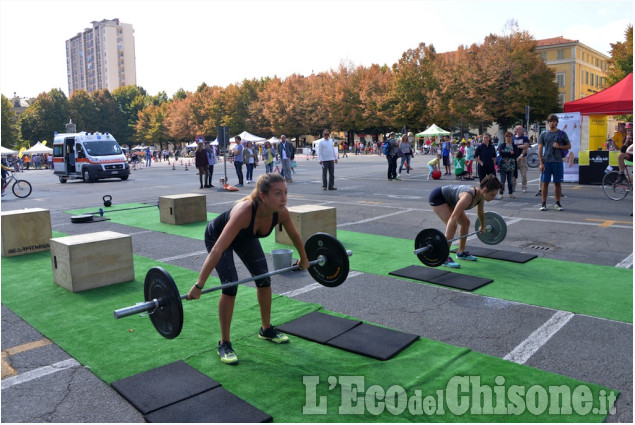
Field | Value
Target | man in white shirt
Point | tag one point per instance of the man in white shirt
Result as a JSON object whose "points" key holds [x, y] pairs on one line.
{"points": [[327, 158]]}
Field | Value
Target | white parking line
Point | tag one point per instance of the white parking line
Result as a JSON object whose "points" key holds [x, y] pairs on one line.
{"points": [[538, 338], [179, 257], [313, 286], [38, 373], [626, 263], [379, 217]]}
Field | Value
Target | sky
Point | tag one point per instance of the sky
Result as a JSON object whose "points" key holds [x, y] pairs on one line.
{"points": [[181, 44]]}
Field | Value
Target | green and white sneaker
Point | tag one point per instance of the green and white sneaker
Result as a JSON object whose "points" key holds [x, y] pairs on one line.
{"points": [[274, 335], [226, 352]]}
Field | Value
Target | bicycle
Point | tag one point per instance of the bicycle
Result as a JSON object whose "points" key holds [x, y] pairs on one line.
{"points": [[616, 188], [20, 188]]}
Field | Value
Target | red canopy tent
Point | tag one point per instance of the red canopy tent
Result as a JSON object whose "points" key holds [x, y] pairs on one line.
{"points": [[616, 100]]}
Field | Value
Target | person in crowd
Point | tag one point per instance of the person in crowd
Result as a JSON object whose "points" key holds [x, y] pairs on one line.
{"points": [[149, 157], [469, 157], [550, 144], [268, 155], [450, 203], [237, 231], [406, 148], [5, 168], [391, 156], [286, 153], [521, 147], [211, 160], [201, 164], [459, 166], [619, 136], [251, 161], [485, 155], [626, 151], [446, 148], [434, 164], [239, 159], [507, 166], [327, 158]]}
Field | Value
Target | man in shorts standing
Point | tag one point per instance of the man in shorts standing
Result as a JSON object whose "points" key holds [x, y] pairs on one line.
{"points": [[551, 143]]}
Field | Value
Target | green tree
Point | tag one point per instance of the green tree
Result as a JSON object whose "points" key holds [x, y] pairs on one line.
{"points": [[108, 116], [83, 111], [10, 127], [621, 62], [47, 114], [131, 100]]}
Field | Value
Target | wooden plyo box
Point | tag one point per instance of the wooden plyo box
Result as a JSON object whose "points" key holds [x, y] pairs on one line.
{"points": [[309, 219], [182, 209], [25, 231], [92, 260]]}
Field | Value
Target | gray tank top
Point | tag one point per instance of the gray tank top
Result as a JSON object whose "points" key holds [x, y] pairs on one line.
{"points": [[452, 192]]}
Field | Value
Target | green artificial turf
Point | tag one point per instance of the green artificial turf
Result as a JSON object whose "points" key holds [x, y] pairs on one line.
{"points": [[270, 376], [599, 291]]}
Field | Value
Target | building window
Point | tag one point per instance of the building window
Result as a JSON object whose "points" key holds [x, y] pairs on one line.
{"points": [[560, 53], [561, 99], [560, 79], [586, 81], [591, 78], [544, 56]]}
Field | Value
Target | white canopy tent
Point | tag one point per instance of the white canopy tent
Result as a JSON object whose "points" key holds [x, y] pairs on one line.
{"points": [[7, 151], [192, 145], [433, 130], [38, 148], [248, 137], [274, 140], [139, 148]]}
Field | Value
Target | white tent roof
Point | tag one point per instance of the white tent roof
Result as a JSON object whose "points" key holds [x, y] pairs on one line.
{"points": [[248, 137], [38, 148], [7, 151], [139, 148], [192, 145], [273, 140], [433, 130]]}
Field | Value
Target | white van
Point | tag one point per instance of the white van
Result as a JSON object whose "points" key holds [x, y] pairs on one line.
{"points": [[88, 156]]}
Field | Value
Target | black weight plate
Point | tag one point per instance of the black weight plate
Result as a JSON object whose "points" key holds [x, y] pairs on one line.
{"points": [[439, 251], [84, 218], [168, 317], [495, 229], [335, 271]]}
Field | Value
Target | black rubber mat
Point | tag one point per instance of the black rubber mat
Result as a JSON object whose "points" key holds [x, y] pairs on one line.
{"points": [[514, 257], [318, 327], [373, 341], [420, 273], [163, 386], [442, 277], [216, 405], [461, 281], [499, 254]]}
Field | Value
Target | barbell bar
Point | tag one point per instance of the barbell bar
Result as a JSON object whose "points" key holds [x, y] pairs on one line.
{"points": [[432, 247], [163, 303]]}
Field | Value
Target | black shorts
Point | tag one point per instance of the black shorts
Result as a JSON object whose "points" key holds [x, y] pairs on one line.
{"points": [[446, 161], [249, 251], [436, 197]]}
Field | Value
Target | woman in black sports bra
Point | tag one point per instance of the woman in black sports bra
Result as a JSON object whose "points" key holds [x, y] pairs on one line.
{"points": [[238, 230]]}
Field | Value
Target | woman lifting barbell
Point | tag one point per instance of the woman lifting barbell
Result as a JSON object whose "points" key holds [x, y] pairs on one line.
{"points": [[237, 230], [450, 203]]}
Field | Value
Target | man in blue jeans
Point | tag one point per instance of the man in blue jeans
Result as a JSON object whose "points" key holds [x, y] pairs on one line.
{"points": [[550, 145], [238, 160]]}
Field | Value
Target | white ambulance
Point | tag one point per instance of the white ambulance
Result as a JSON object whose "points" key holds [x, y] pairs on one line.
{"points": [[88, 156]]}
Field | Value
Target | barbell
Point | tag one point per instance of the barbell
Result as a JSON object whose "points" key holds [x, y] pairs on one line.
{"points": [[88, 216], [163, 303], [432, 247]]}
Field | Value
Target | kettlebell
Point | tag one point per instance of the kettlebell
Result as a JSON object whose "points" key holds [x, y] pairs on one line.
{"points": [[107, 200]]}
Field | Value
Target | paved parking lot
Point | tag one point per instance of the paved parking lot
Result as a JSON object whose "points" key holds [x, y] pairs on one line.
{"points": [[43, 383]]}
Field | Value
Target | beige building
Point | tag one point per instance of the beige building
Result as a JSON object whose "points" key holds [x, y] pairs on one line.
{"points": [[580, 70], [101, 57]]}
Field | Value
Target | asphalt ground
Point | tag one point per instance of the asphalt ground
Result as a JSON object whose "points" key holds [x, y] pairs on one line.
{"points": [[42, 383]]}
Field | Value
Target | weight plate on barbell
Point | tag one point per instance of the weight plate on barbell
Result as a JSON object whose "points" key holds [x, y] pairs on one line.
{"points": [[335, 271], [439, 249], [168, 317], [496, 229]]}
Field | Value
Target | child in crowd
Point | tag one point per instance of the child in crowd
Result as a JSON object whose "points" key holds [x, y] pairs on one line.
{"points": [[459, 166], [434, 165]]}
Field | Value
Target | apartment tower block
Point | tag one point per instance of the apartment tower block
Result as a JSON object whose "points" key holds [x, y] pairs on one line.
{"points": [[101, 57]]}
